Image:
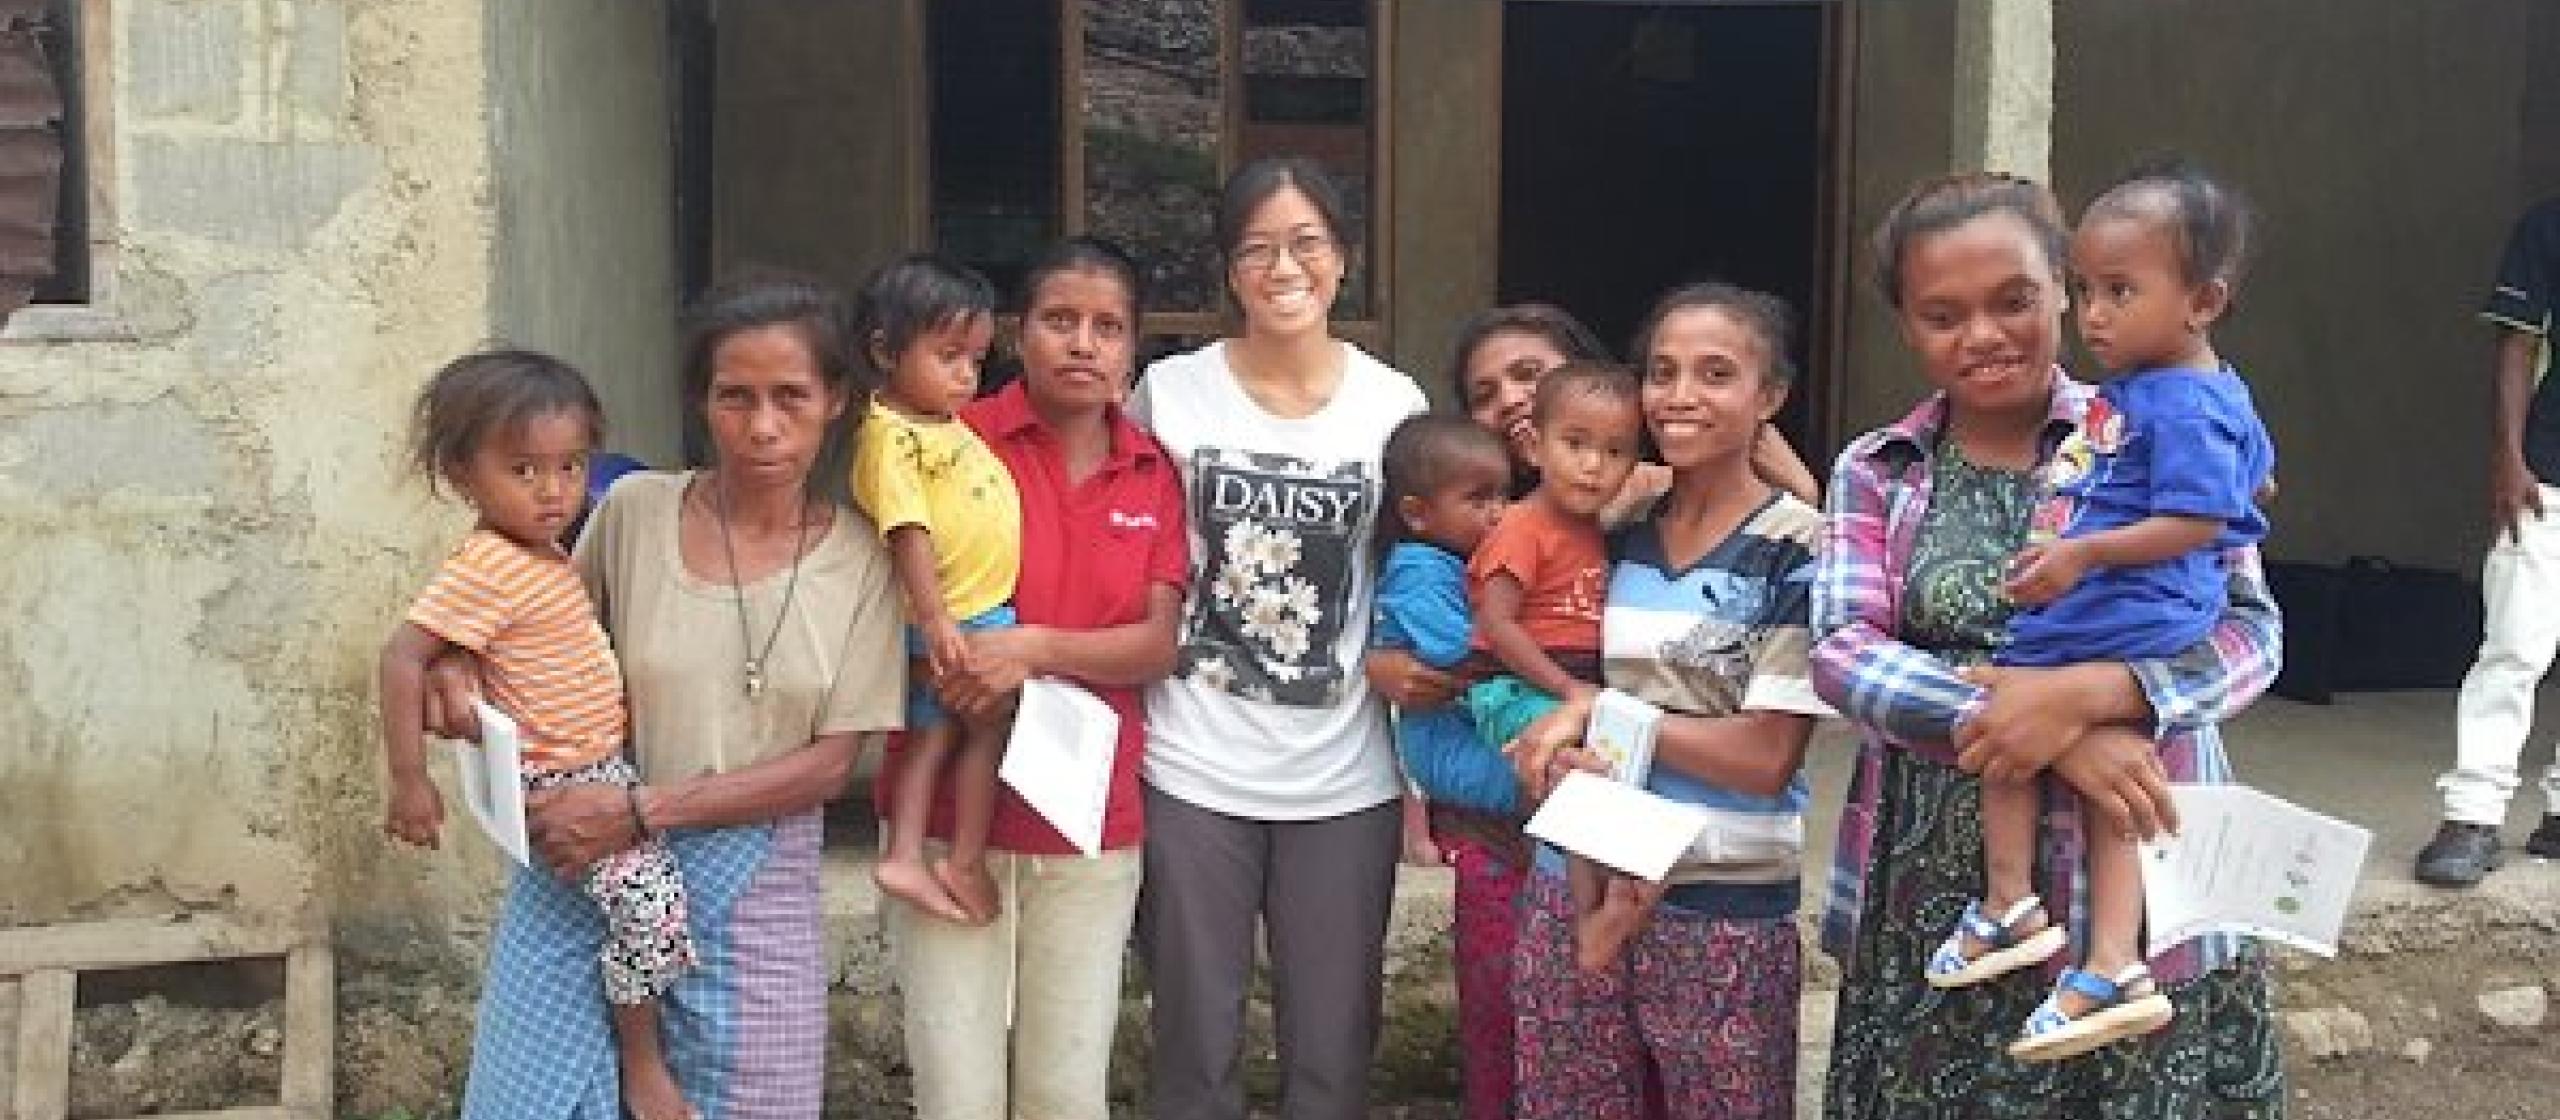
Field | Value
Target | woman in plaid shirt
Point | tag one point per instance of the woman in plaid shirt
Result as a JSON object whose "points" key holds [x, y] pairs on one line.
{"points": [[1923, 516]]}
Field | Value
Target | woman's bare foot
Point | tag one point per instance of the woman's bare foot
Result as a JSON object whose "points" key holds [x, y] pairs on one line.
{"points": [[972, 888], [649, 1090], [911, 882], [1602, 934]]}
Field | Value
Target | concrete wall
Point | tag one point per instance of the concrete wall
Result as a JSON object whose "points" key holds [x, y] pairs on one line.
{"points": [[204, 529], [1447, 141], [580, 130], [2383, 143]]}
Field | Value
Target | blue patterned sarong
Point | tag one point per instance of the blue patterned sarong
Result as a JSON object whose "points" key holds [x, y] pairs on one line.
{"points": [[744, 1031]]}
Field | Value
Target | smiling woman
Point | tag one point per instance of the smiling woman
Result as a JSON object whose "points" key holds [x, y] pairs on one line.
{"points": [[1271, 784], [1923, 518]]}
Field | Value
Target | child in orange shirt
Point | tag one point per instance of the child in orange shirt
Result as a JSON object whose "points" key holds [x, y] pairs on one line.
{"points": [[511, 430], [1537, 585]]}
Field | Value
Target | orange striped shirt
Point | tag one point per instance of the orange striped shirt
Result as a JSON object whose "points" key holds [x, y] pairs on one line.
{"points": [[543, 657]]}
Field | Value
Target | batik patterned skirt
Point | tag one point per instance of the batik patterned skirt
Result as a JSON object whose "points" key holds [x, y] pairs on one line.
{"points": [[1902, 1050]]}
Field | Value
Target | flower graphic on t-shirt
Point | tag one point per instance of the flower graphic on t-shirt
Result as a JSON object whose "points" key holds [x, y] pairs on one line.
{"points": [[1302, 600], [1268, 609], [1281, 614], [1276, 551], [1259, 551], [1271, 615], [1234, 584], [1241, 539], [1215, 673]]}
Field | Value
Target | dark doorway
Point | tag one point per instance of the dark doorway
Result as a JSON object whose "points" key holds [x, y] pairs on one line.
{"points": [[1645, 145]]}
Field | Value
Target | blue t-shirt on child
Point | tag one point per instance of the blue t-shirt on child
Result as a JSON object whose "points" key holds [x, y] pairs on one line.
{"points": [[1422, 607], [2174, 442]]}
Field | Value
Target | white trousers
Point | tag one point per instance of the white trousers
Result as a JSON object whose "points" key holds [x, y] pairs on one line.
{"points": [[2520, 589], [1013, 1020]]}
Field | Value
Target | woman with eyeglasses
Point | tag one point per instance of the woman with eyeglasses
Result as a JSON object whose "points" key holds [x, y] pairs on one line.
{"points": [[1271, 785]]}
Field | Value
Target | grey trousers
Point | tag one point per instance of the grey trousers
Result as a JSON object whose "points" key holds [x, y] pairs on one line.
{"points": [[1322, 890]]}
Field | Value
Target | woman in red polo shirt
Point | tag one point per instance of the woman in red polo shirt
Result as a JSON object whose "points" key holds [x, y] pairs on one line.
{"points": [[1015, 1018]]}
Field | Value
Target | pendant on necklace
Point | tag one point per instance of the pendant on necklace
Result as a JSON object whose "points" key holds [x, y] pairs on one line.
{"points": [[755, 679]]}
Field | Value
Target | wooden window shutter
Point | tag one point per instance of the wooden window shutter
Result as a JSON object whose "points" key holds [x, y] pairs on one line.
{"points": [[30, 154]]}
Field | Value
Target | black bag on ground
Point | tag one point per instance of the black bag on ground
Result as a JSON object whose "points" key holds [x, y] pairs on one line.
{"points": [[2405, 627], [2313, 598]]}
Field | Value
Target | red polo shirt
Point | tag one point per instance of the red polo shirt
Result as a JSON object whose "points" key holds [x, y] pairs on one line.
{"points": [[1091, 554]]}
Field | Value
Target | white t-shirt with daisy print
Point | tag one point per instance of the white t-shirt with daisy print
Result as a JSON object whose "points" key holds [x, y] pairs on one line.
{"points": [[1267, 714]]}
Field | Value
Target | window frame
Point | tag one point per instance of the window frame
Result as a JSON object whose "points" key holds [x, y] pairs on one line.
{"points": [[1371, 331], [100, 317]]}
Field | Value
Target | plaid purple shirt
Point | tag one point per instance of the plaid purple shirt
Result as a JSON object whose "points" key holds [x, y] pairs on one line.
{"points": [[1908, 698]]}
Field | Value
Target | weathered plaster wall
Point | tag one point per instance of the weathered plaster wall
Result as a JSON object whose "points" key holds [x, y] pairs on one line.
{"points": [[2383, 145], [202, 531], [580, 132]]}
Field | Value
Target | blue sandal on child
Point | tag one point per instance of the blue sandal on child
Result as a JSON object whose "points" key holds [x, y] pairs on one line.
{"points": [[2126, 1006], [2007, 952]]}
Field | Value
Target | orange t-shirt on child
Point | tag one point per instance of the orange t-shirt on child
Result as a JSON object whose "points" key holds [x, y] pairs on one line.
{"points": [[1563, 569], [543, 657]]}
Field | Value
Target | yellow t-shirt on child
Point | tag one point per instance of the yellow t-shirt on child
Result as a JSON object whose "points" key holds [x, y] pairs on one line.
{"points": [[939, 476]]}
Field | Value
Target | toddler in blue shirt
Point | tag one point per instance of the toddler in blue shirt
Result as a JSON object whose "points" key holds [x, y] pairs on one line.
{"points": [[1447, 482], [2122, 564]]}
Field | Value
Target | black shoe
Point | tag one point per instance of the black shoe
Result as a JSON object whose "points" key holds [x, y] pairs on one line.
{"points": [[2460, 855], [2545, 841]]}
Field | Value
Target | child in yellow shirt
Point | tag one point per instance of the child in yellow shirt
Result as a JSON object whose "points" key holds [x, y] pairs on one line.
{"points": [[947, 508]]}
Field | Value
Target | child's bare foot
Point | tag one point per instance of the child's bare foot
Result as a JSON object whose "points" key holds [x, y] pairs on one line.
{"points": [[649, 1091], [1602, 934], [911, 882], [972, 888]]}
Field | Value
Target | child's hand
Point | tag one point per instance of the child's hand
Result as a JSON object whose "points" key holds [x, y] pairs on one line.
{"points": [[2043, 572], [1420, 850], [946, 648], [417, 813]]}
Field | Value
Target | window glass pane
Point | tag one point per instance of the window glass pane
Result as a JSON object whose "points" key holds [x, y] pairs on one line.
{"points": [[1309, 90], [1151, 127], [994, 67]]}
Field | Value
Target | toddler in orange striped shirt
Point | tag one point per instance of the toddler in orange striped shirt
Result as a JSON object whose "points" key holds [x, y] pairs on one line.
{"points": [[511, 431]]}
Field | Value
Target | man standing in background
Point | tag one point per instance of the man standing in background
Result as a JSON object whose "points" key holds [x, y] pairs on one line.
{"points": [[2520, 580]]}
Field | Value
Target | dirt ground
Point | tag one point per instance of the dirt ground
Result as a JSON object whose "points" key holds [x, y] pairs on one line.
{"points": [[2469, 1079], [153, 1056], [173, 1042]]}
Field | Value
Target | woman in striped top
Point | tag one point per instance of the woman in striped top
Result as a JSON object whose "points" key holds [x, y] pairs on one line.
{"points": [[1706, 619]]}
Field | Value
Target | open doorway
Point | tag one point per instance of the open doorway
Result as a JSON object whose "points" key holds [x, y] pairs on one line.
{"points": [[1645, 145]]}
